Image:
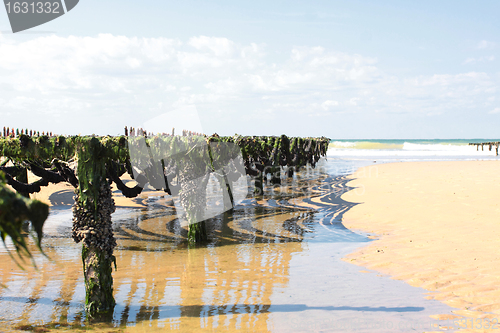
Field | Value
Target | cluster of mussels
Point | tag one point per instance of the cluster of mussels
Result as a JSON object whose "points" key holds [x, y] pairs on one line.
{"points": [[95, 232], [192, 195]]}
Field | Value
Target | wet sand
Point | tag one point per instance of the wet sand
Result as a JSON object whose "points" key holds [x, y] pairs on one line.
{"points": [[272, 265], [437, 225], [62, 194]]}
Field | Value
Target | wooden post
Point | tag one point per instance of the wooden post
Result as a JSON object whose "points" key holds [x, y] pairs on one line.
{"points": [[259, 183], [193, 179], [22, 177], [276, 175], [193, 199], [92, 225]]}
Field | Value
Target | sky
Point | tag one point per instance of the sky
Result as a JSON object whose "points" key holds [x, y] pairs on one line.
{"points": [[341, 69]]}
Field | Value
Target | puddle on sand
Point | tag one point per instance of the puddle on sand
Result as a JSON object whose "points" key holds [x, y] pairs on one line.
{"points": [[271, 265]]}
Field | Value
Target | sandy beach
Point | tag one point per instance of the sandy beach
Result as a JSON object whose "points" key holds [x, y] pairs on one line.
{"points": [[260, 273], [437, 225]]}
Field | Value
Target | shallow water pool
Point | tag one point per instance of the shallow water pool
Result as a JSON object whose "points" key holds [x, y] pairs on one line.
{"points": [[272, 265]]}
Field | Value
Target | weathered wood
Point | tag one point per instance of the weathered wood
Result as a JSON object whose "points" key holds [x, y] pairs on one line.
{"points": [[92, 226], [98, 158], [489, 144]]}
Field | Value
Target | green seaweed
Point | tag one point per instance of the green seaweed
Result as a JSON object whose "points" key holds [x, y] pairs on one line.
{"points": [[14, 210], [93, 207]]}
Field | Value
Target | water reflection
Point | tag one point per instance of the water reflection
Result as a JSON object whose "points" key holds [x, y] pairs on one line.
{"points": [[238, 280]]}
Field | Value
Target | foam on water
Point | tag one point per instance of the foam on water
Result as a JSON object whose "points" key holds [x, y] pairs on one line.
{"points": [[365, 145], [409, 150]]}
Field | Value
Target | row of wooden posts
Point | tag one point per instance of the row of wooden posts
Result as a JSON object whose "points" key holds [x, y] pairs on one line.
{"points": [[129, 131], [490, 145], [91, 163], [10, 132], [132, 131]]}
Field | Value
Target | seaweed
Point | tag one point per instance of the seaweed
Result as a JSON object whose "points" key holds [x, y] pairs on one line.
{"points": [[14, 210], [102, 160]]}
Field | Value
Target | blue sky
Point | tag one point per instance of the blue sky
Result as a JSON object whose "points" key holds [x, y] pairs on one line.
{"points": [[342, 69]]}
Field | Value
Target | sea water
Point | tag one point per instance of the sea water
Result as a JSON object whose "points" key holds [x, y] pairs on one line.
{"points": [[346, 156], [273, 265], [411, 150]]}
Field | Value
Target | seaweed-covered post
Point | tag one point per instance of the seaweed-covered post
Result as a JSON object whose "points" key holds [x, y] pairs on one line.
{"points": [[194, 173], [192, 196], [259, 183], [222, 154], [92, 225], [22, 177], [188, 163]]}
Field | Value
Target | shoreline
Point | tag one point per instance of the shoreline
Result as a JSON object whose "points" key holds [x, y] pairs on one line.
{"points": [[422, 214], [298, 293]]}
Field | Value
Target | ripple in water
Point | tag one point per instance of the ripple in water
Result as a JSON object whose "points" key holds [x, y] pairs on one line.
{"points": [[273, 264]]}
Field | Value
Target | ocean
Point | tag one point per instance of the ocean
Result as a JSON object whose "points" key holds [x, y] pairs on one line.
{"points": [[273, 265], [410, 150], [346, 156]]}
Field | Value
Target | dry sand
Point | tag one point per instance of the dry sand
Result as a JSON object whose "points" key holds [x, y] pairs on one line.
{"points": [[438, 227]]}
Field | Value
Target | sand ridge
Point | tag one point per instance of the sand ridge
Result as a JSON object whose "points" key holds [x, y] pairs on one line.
{"points": [[438, 225]]}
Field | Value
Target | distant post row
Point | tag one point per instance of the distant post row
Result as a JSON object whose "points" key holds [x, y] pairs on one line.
{"points": [[9, 132], [489, 144]]}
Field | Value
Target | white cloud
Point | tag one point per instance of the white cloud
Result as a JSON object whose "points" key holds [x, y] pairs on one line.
{"points": [[327, 105], [480, 59], [495, 110], [218, 46], [449, 80], [353, 101], [484, 44], [93, 81]]}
